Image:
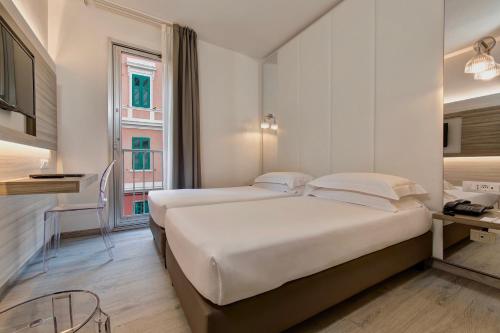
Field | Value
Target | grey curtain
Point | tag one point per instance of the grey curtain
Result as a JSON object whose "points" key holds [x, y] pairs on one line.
{"points": [[186, 170]]}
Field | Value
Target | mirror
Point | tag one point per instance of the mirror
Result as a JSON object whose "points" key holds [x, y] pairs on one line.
{"points": [[471, 124]]}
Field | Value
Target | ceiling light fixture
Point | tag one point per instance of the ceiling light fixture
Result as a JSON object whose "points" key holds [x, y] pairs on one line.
{"points": [[482, 64]]}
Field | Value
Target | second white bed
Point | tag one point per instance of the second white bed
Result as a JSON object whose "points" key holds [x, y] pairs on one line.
{"points": [[233, 251], [160, 201]]}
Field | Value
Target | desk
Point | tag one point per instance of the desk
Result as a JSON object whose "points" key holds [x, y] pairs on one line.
{"points": [[28, 186]]}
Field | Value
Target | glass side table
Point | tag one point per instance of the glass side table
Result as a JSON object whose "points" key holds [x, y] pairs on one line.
{"points": [[61, 312]]}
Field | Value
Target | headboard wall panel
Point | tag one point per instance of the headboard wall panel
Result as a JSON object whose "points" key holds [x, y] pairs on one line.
{"points": [[363, 94], [315, 97], [409, 98], [325, 108]]}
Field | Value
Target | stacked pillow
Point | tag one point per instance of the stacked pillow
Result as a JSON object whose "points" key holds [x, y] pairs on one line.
{"points": [[380, 191], [290, 182]]}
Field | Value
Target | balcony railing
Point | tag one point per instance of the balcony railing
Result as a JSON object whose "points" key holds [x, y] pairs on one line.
{"points": [[142, 171], [130, 113]]}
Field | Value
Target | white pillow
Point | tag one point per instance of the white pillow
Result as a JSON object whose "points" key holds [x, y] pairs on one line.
{"points": [[448, 186], [367, 200], [291, 179], [387, 186], [280, 188]]}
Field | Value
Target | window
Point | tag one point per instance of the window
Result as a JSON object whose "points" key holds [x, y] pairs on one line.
{"points": [[141, 159], [141, 91], [141, 207]]}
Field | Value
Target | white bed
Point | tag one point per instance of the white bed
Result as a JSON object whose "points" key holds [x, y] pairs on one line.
{"points": [[233, 251], [160, 201], [457, 192]]}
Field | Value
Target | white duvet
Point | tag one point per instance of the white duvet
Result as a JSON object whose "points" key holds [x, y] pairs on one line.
{"points": [[160, 201], [238, 250]]}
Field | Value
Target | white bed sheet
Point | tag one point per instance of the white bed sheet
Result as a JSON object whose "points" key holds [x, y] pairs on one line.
{"points": [[234, 251], [485, 199], [160, 201]]}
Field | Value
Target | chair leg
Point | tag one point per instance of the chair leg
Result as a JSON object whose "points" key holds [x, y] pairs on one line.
{"points": [[103, 234], [46, 232], [107, 229]]}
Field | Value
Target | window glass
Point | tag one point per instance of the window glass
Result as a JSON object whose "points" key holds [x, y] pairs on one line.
{"points": [[141, 159], [141, 91]]}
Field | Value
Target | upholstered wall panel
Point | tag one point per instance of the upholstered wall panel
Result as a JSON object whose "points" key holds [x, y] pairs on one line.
{"points": [[353, 70], [315, 98], [364, 94], [409, 99], [288, 114]]}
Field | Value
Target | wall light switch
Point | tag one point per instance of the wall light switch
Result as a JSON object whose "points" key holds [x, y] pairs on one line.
{"points": [[44, 164]]}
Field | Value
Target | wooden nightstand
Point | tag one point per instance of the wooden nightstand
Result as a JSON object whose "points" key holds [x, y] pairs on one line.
{"points": [[439, 221]]}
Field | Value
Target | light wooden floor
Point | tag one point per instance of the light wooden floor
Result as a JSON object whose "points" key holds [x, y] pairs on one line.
{"points": [[135, 290], [478, 256]]}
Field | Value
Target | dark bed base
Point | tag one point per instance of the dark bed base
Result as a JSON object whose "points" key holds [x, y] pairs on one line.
{"points": [[297, 300], [159, 238]]}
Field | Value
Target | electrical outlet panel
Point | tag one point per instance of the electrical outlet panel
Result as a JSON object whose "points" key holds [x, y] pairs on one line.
{"points": [[44, 164], [482, 187], [483, 236]]}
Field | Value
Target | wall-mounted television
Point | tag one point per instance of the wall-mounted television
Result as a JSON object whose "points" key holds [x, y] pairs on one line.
{"points": [[17, 74], [445, 135]]}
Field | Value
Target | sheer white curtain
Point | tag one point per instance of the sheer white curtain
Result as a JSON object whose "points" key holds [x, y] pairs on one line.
{"points": [[166, 45]]}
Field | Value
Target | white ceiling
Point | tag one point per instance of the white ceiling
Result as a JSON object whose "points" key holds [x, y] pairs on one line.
{"points": [[252, 27], [468, 21]]}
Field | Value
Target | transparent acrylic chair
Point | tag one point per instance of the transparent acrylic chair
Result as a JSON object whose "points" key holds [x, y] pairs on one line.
{"points": [[52, 226]]}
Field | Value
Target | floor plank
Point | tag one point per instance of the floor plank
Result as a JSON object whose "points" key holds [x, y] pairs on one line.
{"points": [[136, 291]]}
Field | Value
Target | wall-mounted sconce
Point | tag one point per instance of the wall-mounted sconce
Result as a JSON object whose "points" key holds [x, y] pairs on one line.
{"points": [[269, 122], [482, 64]]}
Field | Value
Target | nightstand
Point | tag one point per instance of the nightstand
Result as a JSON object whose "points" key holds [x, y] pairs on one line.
{"points": [[479, 229]]}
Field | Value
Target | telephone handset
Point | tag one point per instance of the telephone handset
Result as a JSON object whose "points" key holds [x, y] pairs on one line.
{"points": [[464, 207]]}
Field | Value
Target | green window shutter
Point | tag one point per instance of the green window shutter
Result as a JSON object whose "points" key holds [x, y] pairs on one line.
{"points": [[141, 91], [141, 207], [141, 160]]}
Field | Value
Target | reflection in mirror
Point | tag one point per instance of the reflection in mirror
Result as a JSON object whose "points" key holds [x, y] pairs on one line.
{"points": [[472, 129]]}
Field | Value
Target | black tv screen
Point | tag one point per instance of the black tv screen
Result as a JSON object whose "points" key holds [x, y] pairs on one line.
{"points": [[17, 84], [445, 135]]}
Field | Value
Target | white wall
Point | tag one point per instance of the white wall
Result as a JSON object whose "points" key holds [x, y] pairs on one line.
{"points": [[36, 14], [349, 100], [229, 111], [228, 96]]}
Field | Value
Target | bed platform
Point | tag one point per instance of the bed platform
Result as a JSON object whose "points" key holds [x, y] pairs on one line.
{"points": [[295, 301], [159, 238]]}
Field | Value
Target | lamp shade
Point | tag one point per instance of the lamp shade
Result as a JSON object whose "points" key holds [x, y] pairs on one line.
{"points": [[490, 73], [274, 127], [264, 125], [479, 63]]}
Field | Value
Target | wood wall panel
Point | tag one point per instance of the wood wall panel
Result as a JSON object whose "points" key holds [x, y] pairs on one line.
{"points": [[45, 95], [21, 217], [456, 170], [480, 132]]}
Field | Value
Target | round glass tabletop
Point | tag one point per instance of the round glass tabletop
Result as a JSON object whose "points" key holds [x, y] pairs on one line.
{"points": [[61, 312]]}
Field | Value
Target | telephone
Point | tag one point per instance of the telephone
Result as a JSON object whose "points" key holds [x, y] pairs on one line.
{"points": [[464, 207]]}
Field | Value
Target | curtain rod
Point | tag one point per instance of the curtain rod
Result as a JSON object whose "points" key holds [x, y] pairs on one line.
{"points": [[127, 12]]}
